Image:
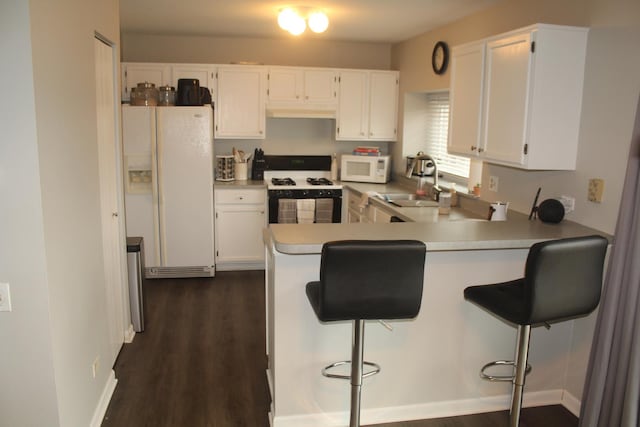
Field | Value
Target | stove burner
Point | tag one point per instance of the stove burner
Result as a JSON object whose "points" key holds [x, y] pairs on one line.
{"points": [[319, 181], [282, 181]]}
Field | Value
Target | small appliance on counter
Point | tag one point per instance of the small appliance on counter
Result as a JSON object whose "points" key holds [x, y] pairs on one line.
{"points": [[258, 165], [420, 167], [375, 169]]}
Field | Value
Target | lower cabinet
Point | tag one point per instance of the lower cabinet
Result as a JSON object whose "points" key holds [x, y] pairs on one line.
{"points": [[240, 218], [358, 212]]}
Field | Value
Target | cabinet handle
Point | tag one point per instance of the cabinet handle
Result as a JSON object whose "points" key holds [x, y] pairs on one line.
{"points": [[473, 148], [261, 212], [241, 198], [480, 150]]}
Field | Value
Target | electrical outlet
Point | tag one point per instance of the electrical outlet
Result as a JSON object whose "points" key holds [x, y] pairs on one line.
{"points": [[596, 188], [95, 366], [5, 297], [569, 203], [493, 183]]}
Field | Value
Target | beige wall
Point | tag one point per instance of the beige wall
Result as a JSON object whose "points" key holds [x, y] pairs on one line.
{"points": [[51, 245], [224, 50], [610, 95]]}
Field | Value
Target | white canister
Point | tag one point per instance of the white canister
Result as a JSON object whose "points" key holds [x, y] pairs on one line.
{"points": [[241, 171]]}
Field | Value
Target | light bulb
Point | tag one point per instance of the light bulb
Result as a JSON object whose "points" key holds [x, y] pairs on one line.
{"points": [[286, 17], [297, 25], [318, 22]]}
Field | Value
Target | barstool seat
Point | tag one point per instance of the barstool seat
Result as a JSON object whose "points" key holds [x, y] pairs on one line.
{"points": [[562, 280], [366, 280]]}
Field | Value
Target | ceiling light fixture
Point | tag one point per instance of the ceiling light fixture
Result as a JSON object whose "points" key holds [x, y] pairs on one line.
{"points": [[292, 21]]}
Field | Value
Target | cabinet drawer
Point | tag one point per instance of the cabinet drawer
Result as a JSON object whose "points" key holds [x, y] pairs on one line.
{"points": [[235, 196]]}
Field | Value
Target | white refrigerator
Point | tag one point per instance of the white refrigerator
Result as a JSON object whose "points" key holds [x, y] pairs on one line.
{"points": [[168, 155]]}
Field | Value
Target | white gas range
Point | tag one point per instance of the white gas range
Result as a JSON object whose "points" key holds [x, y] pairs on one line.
{"points": [[300, 177]]}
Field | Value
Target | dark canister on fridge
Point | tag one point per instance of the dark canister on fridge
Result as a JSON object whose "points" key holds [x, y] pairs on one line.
{"points": [[188, 92]]}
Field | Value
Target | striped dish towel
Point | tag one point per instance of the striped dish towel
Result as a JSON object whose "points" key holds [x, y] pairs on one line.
{"points": [[324, 210], [286, 211], [306, 210]]}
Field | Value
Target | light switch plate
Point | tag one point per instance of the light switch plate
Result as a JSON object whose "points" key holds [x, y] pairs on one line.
{"points": [[596, 188], [493, 183], [5, 297]]}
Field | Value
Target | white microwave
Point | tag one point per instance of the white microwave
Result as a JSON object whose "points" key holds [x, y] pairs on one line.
{"points": [[375, 169]]}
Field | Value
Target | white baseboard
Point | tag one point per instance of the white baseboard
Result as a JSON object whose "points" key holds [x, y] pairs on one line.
{"points": [[105, 398], [422, 411], [572, 403], [240, 266], [129, 334]]}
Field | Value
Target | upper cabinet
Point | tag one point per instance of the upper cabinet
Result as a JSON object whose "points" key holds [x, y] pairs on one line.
{"points": [[295, 87], [206, 74], [134, 73], [364, 103], [367, 105], [240, 108], [516, 99]]}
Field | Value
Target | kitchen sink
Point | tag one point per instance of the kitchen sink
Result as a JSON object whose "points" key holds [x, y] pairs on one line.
{"points": [[402, 196], [407, 200]]}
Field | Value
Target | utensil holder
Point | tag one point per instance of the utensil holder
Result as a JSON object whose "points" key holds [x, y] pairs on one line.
{"points": [[241, 171]]}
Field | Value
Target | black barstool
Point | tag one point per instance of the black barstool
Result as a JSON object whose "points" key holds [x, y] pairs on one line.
{"points": [[562, 280], [366, 280]]}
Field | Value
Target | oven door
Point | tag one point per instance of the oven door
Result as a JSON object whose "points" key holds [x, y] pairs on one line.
{"points": [[276, 195]]}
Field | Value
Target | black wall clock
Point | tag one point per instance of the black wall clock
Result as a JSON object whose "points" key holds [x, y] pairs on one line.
{"points": [[440, 57]]}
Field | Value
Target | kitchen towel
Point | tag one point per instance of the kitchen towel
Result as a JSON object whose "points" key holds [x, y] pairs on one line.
{"points": [[324, 210], [286, 211], [306, 210]]}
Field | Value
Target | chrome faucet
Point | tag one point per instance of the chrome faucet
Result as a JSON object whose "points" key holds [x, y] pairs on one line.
{"points": [[436, 190]]}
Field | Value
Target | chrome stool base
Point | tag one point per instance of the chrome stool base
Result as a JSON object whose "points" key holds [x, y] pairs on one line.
{"points": [[326, 373]]}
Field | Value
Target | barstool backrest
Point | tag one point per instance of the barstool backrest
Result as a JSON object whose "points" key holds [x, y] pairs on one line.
{"points": [[371, 279], [564, 277]]}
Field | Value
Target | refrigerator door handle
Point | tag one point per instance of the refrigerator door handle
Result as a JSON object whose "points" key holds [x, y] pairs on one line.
{"points": [[156, 190], [161, 204]]}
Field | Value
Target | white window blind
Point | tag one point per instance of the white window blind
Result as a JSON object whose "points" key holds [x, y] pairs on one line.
{"points": [[437, 121]]}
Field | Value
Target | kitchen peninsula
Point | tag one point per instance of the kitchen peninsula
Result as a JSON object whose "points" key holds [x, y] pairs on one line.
{"points": [[430, 364]]}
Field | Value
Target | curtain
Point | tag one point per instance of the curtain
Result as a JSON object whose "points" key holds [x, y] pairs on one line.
{"points": [[611, 395]]}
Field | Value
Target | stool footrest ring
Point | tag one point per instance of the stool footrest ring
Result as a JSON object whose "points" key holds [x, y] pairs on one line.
{"points": [[326, 373], [486, 376]]}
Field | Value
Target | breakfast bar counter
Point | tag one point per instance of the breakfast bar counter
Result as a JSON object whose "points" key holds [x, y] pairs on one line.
{"points": [[429, 364]]}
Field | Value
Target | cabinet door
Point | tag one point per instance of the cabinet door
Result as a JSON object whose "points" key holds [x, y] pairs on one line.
{"points": [[285, 85], [465, 118], [353, 100], [239, 233], [383, 106], [206, 74], [506, 98], [132, 74], [320, 86], [240, 107]]}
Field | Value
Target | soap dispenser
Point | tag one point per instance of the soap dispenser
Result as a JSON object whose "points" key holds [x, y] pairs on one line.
{"points": [[334, 167]]}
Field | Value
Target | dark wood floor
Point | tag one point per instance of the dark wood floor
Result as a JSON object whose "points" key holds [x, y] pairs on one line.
{"points": [[200, 362]]}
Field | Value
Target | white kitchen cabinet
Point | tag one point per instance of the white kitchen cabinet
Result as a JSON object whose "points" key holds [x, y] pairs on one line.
{"points": [[465, 98], [240, 219], [205, 73], [526, 112], [241, 102], [299, 87], [367, 106], [356, 212], [134, 73]]}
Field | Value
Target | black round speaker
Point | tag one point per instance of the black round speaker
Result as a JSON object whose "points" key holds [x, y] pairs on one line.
{"points": [[551, 210]]}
